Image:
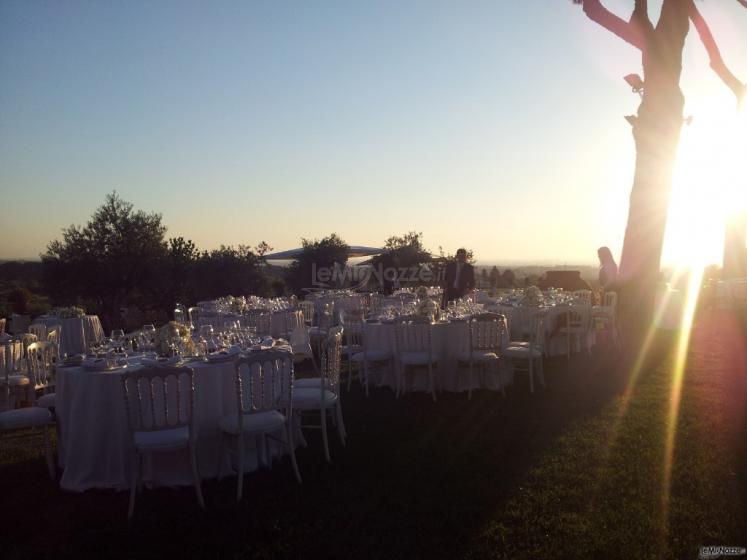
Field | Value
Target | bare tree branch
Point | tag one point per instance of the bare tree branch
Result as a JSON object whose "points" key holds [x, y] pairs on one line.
{"points": [[640, 20], [627, 31], [714, 54]]}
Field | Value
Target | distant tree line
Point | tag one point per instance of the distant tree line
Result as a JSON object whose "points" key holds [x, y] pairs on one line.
{"points": [[121, 266]]}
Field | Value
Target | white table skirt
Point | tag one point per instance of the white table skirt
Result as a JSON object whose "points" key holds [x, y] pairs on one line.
{"points": [[520, 321], [95, 437], [78, 334], [448, 341]]}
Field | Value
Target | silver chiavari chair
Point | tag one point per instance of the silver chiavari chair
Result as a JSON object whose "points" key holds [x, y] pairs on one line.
{"points": [[160, 410]]}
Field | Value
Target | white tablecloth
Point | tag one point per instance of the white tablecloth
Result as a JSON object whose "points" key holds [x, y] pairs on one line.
{"points": [[78, 334], [448, 340], [95, 437]]}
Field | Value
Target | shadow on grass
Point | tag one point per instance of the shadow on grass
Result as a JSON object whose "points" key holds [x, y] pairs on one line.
{"points": [[522, 476]]}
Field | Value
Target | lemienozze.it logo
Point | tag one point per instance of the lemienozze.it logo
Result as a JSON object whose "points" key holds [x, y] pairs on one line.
{"points": [[720, 551]]}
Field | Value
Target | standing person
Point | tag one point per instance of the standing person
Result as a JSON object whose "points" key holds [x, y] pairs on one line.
{"points": [[607, 267], [460, 277]]}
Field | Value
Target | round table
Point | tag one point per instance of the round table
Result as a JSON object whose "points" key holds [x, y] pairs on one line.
{"points": [[95, 439], [448, 340]]}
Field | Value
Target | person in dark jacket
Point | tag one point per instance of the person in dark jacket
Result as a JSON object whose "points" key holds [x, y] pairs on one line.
{"points": [[460, 277]]}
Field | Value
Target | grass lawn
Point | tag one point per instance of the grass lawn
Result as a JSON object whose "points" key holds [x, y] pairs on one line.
{"points": [[579, 470]]}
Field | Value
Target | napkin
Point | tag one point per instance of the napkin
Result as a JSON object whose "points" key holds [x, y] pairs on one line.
{"points": [[231, 352], [150, 362]]}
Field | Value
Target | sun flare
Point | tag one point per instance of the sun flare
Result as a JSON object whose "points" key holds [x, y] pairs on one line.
{"points": [[708, 186]]}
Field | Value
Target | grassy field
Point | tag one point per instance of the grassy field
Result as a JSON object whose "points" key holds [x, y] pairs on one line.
{"points": [[580, 470]]}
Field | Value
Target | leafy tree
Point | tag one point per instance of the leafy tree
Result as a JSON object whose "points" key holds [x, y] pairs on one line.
{"points": [[656, 132], [315, 265], [227, 271], [495, 276], [508, 278], [113, 261], [405, 251]]}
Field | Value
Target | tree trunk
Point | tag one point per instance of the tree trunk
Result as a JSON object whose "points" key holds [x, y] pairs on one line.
{"points": [[656, 132]]}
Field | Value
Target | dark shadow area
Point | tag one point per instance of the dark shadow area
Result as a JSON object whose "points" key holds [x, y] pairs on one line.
{"points": [[416, 480]]}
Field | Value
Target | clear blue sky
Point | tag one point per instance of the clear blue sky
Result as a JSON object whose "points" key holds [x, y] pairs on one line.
{"points": [[491, 124]]}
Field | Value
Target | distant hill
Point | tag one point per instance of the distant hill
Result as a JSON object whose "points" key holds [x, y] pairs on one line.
{"points": [[21, 271]]}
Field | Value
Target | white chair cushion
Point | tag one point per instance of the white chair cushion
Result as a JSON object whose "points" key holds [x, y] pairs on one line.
{"points": [[522, 352], [310, 398], [417, 358], [46, 401], [372, 356], [478, 356], [308, 382], [257, 423], [15, 380], [24, 418], [163, 440]]}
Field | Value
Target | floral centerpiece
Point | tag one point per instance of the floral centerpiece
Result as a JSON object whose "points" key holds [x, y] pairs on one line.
{"points": [[173, 334], [72, 312], [532, 297], [427, 308]]}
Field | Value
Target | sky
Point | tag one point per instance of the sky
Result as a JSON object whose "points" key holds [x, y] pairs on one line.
{"points": [[493, 125]]}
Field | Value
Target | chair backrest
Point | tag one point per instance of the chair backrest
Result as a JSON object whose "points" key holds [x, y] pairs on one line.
{"points": [[486, 332], [610, 301], [375, 302], [577, 317], [40, 363], [40, 330], [537, 330], [194, 317], [264, 381], [583, 295], [181, 315], [325, 319], [308, 308], [352, 322], [54, 334], [291, 319], [329, 366], [259, 319], [159, 398], [413, 334]]}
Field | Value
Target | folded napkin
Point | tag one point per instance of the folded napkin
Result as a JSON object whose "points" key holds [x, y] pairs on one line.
{"points": [[221, 355], [150, 362], [71, 361], [94, 363]]}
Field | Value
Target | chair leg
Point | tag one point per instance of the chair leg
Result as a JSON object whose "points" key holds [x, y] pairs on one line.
{"points": [[499, 367], [531, 375], [432, 381], [471, 379], [292, 452], [196, 475], [221, 455], [541, 371], [365, 375], [324, 435], [134, 477], [350, 372], [48, 453], [340, 424], [240, 481]]}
